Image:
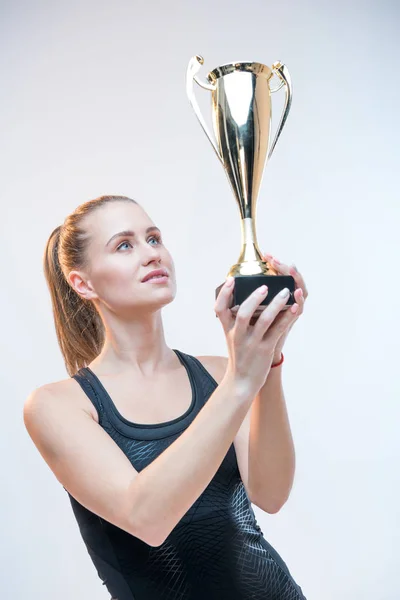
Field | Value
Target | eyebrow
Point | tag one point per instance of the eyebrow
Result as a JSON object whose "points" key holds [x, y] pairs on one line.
{"points": [[129, 233]]}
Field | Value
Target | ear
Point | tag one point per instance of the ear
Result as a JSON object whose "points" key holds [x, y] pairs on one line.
{"points": [[81, 285]]}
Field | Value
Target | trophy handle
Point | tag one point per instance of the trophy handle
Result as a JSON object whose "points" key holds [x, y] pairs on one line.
{"points": [[283, 73], [194, 65]]}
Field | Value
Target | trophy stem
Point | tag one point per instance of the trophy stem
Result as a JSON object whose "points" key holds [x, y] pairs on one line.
{"points": [[250, 260], [250, 249]]}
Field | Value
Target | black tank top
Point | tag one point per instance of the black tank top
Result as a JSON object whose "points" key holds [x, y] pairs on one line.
{"points": [[216, 552]]}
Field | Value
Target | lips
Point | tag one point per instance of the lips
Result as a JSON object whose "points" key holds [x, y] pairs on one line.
{"points": [[163, 272]]}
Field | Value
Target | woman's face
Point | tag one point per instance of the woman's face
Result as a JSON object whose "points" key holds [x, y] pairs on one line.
{"points": [[119, 261]]}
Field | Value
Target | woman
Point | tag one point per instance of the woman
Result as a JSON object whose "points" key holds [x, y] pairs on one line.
{"points": [[150, 443]]}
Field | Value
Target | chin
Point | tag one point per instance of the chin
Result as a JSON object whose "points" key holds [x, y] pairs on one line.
{"points": [[164, 298]]}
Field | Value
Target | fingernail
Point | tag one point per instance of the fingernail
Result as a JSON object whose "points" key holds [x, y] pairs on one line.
{"points": [[285, 292], [229, 281], [276, 260]]}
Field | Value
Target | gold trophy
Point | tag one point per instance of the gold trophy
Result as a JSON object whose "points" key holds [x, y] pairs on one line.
{"points": [[241, 116]]}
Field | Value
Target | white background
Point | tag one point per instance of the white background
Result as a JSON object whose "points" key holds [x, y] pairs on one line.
{"points": [[93, 102]]}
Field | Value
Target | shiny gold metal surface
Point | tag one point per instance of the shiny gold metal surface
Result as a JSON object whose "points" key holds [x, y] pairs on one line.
{"points": [[241, 118]]}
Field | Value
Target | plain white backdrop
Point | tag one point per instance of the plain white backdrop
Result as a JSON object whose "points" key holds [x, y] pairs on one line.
{"points": [[93, 102]]}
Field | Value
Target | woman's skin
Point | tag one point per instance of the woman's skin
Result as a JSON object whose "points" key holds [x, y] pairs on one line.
{"points": [[148, 385], [140, 371], [135, 345]]}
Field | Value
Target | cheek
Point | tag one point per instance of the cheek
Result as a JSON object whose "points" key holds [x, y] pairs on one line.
{"points": [[113, 272], [115, 278], [169, 263]]}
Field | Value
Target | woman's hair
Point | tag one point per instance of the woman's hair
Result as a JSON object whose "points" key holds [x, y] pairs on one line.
{"points": [[79, 328]]}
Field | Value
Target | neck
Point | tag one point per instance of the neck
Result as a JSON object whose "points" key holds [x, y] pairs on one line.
{"points": [[136, 347]]}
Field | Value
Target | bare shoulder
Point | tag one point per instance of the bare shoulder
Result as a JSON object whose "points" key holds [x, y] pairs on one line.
{"points": [[64, 392], [215, 365]]}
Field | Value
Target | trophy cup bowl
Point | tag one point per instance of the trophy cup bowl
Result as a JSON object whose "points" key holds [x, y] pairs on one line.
{"points": [[241, 118]]}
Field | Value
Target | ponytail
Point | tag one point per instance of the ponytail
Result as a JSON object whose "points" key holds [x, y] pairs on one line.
{"points": [[79, 328]]}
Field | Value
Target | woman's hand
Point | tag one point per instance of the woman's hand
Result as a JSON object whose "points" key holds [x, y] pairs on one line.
{"points": [[300, 296], [251, 348]]}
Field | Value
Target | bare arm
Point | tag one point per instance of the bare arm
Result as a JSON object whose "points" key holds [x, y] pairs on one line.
{"points": [[82, 456], [167, 487], [264, 444], [271, 451], [95, 471], [149, 504]]}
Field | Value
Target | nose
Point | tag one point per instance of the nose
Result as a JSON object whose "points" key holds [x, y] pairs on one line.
{"points": [[151, 253]]}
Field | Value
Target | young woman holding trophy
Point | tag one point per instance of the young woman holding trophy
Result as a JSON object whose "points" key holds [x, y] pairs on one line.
{"points": [[152, 445]]}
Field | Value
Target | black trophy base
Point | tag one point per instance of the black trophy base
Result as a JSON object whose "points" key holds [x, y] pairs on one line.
{"points": [[245, 285]]}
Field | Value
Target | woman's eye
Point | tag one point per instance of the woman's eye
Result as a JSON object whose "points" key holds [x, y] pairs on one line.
{"points": [[156, 237], [153, 237], [123, 244]]}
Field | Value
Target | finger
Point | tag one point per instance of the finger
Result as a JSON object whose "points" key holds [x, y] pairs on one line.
{"points": [[299, 299], [272, 264], [297, 295], [268, 259], [267, 255], [289, 270], [280, 266], [267, 317], [279, 326], [246, 310], [222, 302], [293, 271]]}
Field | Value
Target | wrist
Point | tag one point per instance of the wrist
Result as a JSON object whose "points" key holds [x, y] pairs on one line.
{"points": [[240, 387], [277, 359]]}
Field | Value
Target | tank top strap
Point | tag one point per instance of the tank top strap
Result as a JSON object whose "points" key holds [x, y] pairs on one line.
{"points": [[91, 389], [203, 379], [203, 382]]}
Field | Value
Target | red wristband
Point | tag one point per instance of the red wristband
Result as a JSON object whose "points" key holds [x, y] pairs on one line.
{"points": [[278, 363]]}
